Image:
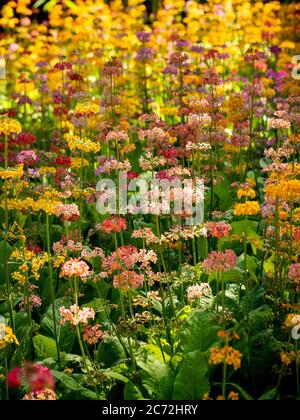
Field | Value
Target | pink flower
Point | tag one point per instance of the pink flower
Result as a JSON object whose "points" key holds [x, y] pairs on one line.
{"points": [[218, 229], [42, 395], [76, 316], [36, 376], [279, 123], [294, 273], [92, 334], [75, 267], [220, 261], [198, 291], [33, 300], [127, 280], [67, 212], [14, 377]]}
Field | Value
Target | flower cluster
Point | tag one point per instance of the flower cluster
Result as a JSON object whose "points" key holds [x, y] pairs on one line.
{"points": [[75, 315]]}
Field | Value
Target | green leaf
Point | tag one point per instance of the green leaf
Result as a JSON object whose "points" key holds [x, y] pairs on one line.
{"points": [[66, 334], [199, 332], [132, 392], [241, 391], [67, 381], [50, 5], [116, 375], [271, 394], [191, 382], [155, 351], [44, 347], [222, 191], [157, 378], [70, 4], [110, 352], [251, 265], [39, 3], [240, 227]]}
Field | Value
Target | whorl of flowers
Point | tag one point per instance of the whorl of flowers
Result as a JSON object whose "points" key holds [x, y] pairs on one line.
{"points": [[75, 268], [9, 126], [67, 212], [75, 315], [220, 261]]}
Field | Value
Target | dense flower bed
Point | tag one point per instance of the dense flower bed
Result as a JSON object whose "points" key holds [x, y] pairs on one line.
{"points": [[127, 304]]}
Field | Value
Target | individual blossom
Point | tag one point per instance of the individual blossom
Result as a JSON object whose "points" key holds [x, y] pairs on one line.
{"points": [[92, 334], [75, 268], [198, 291], [233, 396], [75, 315], [250, 208], [220, 261], [218, 229]]}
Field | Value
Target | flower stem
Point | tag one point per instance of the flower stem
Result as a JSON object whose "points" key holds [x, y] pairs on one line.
{"points": [[6, 229], [52, 286]]}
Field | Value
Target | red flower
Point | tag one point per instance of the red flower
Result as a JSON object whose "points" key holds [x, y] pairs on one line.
{"points": [[14, 378], [114, 224], [63, 161]]}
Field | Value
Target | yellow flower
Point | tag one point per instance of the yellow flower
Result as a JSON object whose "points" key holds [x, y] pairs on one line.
{"points": [[9, 126], [246, 192], [77, 162], [13, 173], [233, 396], [23, 267], [58, 261], [87, 109], [225, 354], [288, 190], [47, 170], [82, 144], [20, 278], [285, 358], [7, 337], [250, 208]]}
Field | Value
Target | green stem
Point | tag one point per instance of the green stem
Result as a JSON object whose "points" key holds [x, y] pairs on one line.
{"points": [[52, 286], [223, 300], [6, 230], [127, 332], [224, 379]]}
